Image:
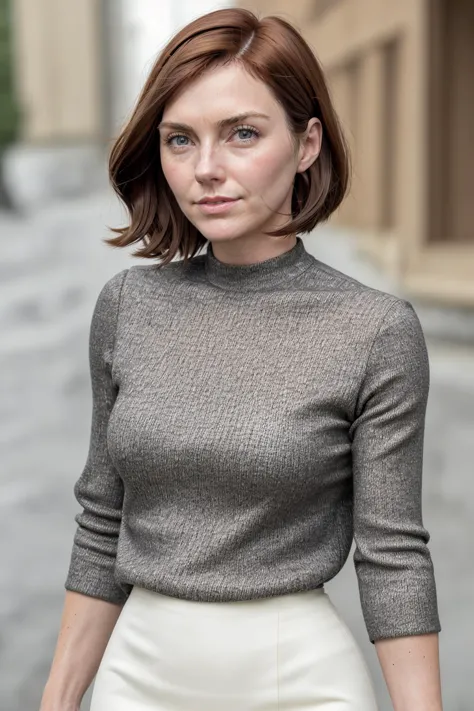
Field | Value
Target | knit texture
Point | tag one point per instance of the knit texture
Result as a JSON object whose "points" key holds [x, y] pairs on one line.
{"points": [[248, 422]]}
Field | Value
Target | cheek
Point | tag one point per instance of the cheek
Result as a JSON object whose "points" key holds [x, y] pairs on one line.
{"points": [[264, 165], [175, 175], [269, 168], [269, 178]]}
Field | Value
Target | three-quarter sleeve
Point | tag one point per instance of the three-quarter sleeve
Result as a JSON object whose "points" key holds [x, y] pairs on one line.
{"points": [[392, 561], [99, 489]]}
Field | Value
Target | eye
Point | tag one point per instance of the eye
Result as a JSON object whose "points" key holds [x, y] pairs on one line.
{"points": [[247, 134], [169, 140], [251, 132]]}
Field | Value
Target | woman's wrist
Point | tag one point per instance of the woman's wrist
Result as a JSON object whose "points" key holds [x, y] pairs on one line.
{"points": [[410, 666], [55, 699]]}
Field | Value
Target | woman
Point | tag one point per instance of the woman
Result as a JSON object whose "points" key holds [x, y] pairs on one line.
{"points": [[253, 409]]}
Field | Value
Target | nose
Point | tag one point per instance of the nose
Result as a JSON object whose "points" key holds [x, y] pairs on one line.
{"points": [[209, 166]]}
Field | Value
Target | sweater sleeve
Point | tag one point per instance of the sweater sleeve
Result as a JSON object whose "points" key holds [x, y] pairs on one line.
{"points": [[392, 561], [99, 489]]}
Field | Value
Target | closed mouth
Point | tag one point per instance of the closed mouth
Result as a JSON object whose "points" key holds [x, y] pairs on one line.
{"points": [[216, 201]]}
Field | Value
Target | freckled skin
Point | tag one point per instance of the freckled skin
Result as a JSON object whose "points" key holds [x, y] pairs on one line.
{"points": [[233, 161]]}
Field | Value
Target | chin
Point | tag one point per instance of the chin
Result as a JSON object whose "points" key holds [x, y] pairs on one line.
{"points": [[221, 234]]}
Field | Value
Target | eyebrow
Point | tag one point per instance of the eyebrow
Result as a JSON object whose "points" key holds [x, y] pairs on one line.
{"points": [[223, 123]]}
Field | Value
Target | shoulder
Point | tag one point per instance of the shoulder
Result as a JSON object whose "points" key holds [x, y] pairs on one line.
{"points": [[120, 294], [149, 279], [106, 309], [130, 291], [399, 315], [359, 301], [400, 337], [131, 279], [383, 323], [397, 354], [110, 293]]}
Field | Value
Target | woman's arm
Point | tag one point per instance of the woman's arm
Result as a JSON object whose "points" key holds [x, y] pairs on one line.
{"points": [[86, 626], [94, 598], [392, 559], [410, 666]]}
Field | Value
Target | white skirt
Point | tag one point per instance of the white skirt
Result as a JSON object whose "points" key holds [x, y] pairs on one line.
{"points": [[281, 653]]}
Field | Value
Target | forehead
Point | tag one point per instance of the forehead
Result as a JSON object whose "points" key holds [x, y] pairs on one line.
{"points": [[221, 91]]}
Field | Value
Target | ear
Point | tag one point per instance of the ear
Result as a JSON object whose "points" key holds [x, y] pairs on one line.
{"points": [[310, 145]]}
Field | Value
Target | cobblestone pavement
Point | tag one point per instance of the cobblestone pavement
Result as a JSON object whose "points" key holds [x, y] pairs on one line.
{"points": [[52, 267]]}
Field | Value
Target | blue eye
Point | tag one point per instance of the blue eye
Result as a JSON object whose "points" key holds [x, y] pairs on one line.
{"points": [[249, 130], [176, 135], [251, 135]]}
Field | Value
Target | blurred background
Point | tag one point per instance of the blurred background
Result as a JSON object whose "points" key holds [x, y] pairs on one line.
{"points": [[401, 77]]}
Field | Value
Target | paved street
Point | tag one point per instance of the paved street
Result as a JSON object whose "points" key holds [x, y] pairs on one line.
{"points": [[51, 270]]}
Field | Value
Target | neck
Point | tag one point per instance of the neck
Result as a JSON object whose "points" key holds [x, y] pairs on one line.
{"points": [[257, 275], [250, 250]]}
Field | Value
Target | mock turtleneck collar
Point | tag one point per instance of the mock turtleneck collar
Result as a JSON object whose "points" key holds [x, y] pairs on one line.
{"points": [[260, 275]]}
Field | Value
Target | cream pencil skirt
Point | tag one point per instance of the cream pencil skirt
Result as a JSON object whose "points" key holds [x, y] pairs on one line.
{"points": [[284, 653]]}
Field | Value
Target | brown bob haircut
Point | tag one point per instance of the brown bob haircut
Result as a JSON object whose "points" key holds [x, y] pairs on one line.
{"points": [[272, 51]]}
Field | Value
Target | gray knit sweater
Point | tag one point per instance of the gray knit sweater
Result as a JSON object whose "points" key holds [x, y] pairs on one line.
{"points": [[247, 423]]}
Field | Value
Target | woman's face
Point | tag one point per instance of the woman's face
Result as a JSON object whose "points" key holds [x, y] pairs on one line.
{"points": [[209, 148]]}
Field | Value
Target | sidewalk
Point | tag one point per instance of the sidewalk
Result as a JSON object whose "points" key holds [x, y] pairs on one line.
{"points": [[51, 269]]}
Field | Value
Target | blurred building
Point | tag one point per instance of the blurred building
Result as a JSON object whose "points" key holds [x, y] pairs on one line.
{"points": [[401, 75], [78, 68]]}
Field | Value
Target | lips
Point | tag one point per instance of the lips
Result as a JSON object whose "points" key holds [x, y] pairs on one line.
{"points": [[214, 200], [217, 206]]}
